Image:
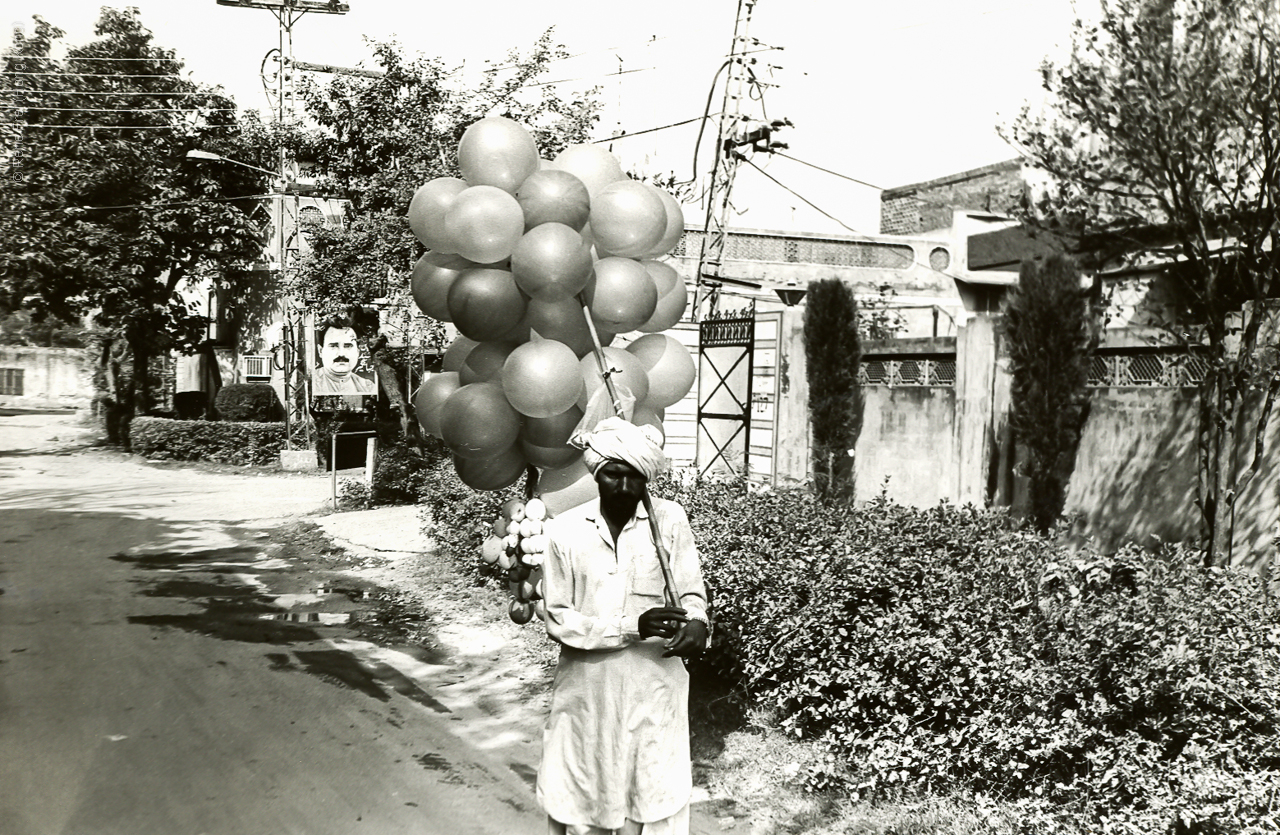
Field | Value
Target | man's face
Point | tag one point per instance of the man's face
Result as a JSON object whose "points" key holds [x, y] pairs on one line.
{"points": [[620, 482], [339, 350]]}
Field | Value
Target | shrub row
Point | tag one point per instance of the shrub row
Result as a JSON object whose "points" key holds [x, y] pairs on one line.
{"points": [[944, 649], [201, 440], [948, 649]]}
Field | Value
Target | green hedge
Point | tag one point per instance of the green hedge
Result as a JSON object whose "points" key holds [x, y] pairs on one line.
{"points": [[223, 442], [944, 650], [248, 402]]}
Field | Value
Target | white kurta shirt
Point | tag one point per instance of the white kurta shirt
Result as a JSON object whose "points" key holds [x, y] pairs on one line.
{"points": [[616, 744]]}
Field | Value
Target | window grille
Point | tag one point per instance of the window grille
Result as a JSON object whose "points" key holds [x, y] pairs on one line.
{"points": [[907, 371], [1167, 369], [11, 381]]}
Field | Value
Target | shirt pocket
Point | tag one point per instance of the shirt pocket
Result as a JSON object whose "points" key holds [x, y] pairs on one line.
{"points": [[647, 583]]}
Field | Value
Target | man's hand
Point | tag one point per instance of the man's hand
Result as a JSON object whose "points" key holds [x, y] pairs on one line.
{"points": [[690, 640], [662, 622]]}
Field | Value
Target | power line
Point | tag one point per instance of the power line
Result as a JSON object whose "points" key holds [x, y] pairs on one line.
{"points": [[119, 127], [172, 203], [78, 93], [867, 238], [90, 74], [647, 130], [861, 182], [118, 109], [82, 58]]}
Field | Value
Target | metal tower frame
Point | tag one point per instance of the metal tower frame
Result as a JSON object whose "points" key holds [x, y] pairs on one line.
{"points": [[281, 94]]}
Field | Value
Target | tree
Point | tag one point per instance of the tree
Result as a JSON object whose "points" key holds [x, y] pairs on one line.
{"points": [[103, 214], [379, 139], [1161, 137], [832, 352], [1049, 329]]}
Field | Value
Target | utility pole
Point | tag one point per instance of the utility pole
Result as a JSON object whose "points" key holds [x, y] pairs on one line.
{"points": [[736, 130], [278, 82]]}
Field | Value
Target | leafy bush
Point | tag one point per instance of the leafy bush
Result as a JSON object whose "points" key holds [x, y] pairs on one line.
{"points": [[460, 518], [201, 440], [948, 650], [945, 649], [248, 402]]}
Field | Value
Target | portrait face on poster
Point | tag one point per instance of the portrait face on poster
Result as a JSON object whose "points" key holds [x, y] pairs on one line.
{"points": [[339, 369]]}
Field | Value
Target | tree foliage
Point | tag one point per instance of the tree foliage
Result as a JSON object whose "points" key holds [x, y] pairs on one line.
{"points": [[1161, 136], [103, 215], [1049, 329], [832, 352]]}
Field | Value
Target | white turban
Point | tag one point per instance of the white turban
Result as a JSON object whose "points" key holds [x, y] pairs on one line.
{"points": [[614, 439]]}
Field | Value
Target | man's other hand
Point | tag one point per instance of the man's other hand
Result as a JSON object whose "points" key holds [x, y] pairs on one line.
{"points": [[662, 622], [689, 640]]}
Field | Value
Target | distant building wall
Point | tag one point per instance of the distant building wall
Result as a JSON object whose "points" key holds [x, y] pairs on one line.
{"points": [[45, 377], [924, 207]]}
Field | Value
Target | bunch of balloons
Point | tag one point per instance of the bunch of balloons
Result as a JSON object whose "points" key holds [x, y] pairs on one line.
{"points": [[521, 251], [517, 545]]}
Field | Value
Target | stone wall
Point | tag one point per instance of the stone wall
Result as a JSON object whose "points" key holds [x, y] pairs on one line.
{"points": [[52, 378]]}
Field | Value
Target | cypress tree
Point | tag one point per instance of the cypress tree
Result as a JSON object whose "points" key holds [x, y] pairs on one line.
{"points": [[832, 353], [1050, 333]]}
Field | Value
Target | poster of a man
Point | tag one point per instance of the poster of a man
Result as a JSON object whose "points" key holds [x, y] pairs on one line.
{"points": [[340, 353]]}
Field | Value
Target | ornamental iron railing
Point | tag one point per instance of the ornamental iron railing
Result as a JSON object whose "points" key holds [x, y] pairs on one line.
{"points": [[907, 371]]}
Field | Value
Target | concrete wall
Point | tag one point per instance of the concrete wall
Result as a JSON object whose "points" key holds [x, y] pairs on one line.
{"points": [[52, 377], [1135, 474], [907, 438]]}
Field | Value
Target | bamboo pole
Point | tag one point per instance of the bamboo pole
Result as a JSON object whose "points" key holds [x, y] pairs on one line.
{"points": [[664, 559]]}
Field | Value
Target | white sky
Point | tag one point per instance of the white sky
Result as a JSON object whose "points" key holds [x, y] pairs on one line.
{"points": [[887, 93]]}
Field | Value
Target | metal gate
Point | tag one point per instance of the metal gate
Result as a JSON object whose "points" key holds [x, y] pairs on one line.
{"points": [[725, 348]]}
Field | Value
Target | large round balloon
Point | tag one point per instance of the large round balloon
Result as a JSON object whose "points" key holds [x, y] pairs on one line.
{"points": [[484, 224], [550, 262], [542, 378], [554, 196], [627, 218], [644, 416], [430, 286], [430, 397], [484, 362], [485, 303], [496, 472], [627, 372], [427, 210], [563, 321], [673, 297], [551, 431], [621, 295], [456, 354], [549, 457], [670, 368], [567, 487], [674, 228], [497, 151], [478, 422], [591, 164]]}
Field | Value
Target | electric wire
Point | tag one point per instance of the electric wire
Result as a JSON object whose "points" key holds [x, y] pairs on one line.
{"points": [[866, 237], [647, 130], [162, 205]]}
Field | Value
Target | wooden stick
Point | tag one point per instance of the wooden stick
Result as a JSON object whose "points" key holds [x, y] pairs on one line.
{"points": [[664, 559]]}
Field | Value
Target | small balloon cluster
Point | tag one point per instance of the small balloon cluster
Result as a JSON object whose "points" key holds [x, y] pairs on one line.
{"points": [[517, 546], [540, 265]]}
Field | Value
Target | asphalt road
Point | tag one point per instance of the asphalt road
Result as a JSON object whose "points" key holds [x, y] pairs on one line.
{"points": [[166, 667]]}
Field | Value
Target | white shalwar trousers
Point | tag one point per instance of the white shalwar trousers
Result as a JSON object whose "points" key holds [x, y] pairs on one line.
{"points": [[677, 824]]}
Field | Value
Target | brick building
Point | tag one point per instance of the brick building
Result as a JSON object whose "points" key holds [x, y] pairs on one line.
{"points": [[928, 206]]}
